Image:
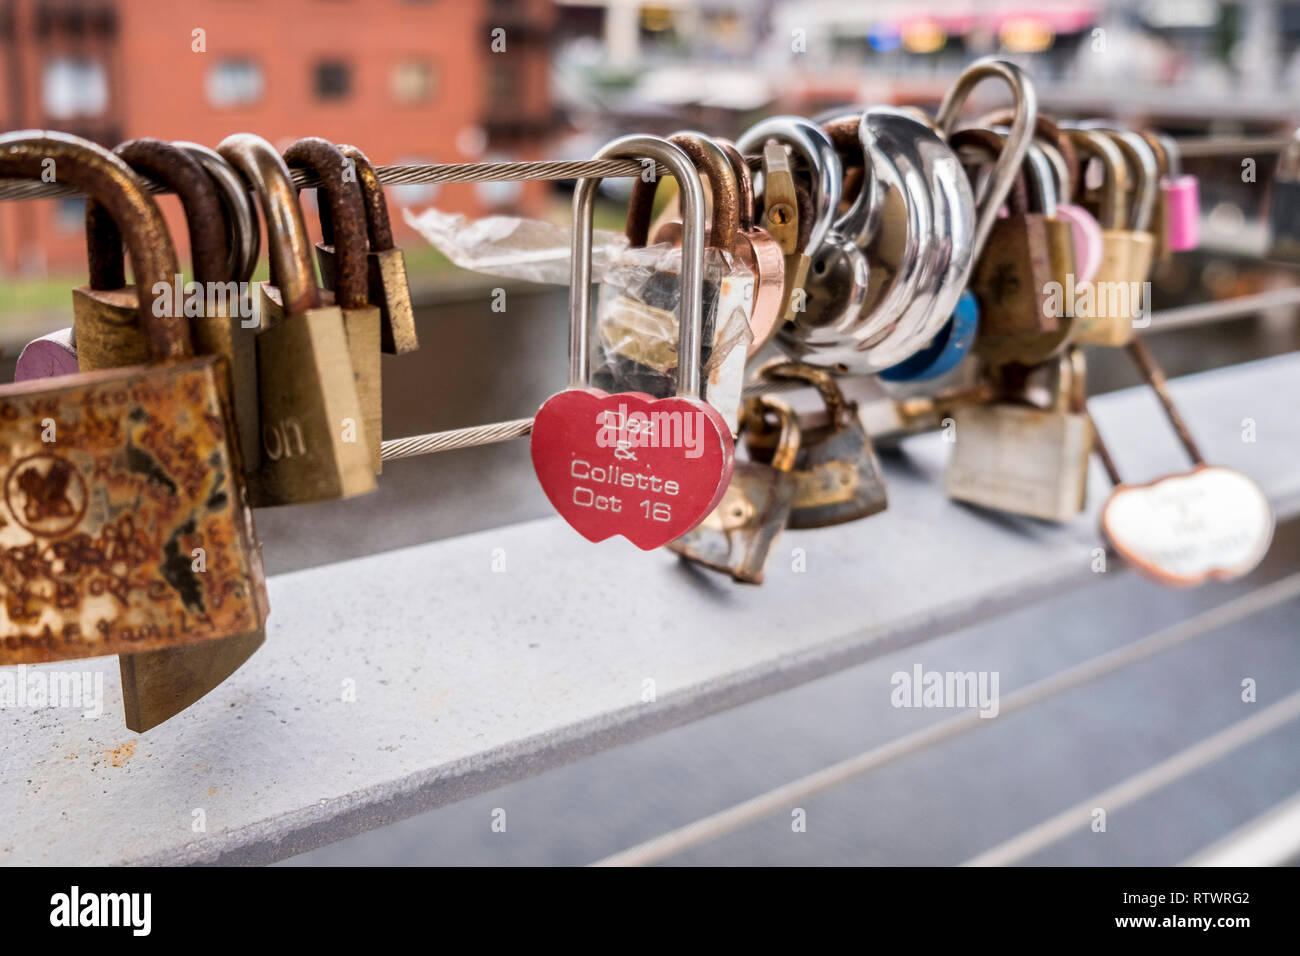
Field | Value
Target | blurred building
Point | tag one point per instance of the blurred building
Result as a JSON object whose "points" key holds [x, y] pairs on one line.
{"points": [[405, 80]]}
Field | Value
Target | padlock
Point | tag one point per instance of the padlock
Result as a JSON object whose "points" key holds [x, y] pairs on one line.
{"points": [[1144, 180], [361, 320], [158, 684], [243, 233], [771, 137], [760, 251], [648, 469], [1284, 204], [125, 523], [216, 314], [837, 474], [1107, 307], [1177, 219], [1022, 459], [637, 333], [389, 287], [48, 356], [1011, 278], [1085, 231], [737, 535], [1183, 529], [314, 445]]}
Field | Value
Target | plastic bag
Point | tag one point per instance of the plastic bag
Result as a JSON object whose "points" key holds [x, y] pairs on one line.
{"points": [[634, 335]]}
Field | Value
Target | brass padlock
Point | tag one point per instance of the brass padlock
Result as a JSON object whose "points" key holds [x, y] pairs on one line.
{"points": [[124, 526], [1144, 180], [387, 266], [314, 445], [1023, 459], [1011, 276], [361, 320], [837, 474], [738, 534], [111, 337], [1106, 308]]}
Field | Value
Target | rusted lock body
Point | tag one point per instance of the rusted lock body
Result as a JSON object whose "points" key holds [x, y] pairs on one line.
{"points": [[1027, 460], [738, 534], [837, 474], [388, 284], [125, 523], [361, 319], [314, 445]]}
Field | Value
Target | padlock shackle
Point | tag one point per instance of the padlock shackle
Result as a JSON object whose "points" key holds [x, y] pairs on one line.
{"points": [[1046, 130], [1114, 196], [790, 437], [28, 154], [243, 234], [838, 408], [691, 312], [818, 153], [181, 173], [744, 184], [1023, 124], [1141, 161], [379, 228], [711, 163], [346, 213], [288, 246]]}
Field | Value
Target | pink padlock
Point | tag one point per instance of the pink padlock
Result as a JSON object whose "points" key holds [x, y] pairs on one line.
{"points": [[46, 357], [1088, 242], [1181, 197]]}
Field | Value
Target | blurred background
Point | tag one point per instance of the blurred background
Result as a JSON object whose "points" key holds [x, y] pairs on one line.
{"points": [[420, 81]]}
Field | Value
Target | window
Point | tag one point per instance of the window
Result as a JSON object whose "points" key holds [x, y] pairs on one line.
{"points": [[332, 80], [235, 83], [413, 81], [72, 88]]}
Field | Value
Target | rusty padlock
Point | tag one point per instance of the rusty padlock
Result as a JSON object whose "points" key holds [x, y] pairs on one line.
{"points": [[125, 523], [361, 319], [314, 445], [837, 474], [389, 288], [737, 535]]}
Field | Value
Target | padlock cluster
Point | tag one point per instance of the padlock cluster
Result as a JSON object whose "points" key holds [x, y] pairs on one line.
{"points": [[963, 264]]}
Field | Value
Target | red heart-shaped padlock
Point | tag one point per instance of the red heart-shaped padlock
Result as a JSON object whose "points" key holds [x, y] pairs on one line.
{"points": [[648, 469]]}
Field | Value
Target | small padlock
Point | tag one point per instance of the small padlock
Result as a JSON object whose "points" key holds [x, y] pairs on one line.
{"points": [[1144, 179], [389, 287], [1107, 307], [1177, 221], [1011, 277], [1189, 527], [760, 252], [737, 535], [1284, 204], [314, 445], [124, 523], [361, 319], [1022, 459], [837, 474]]}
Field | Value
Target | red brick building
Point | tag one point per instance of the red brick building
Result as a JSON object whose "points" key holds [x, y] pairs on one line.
{"points": [[406, 80]]}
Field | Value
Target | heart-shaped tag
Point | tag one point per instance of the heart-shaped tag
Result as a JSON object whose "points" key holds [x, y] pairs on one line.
{"points": [[1211, 522], [648, 469]]}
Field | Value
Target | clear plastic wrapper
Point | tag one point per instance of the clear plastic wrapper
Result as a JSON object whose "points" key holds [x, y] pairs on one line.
{"points": [[634, 336]]}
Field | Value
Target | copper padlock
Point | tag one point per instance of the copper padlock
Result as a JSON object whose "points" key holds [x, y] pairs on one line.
{"points": [[737, 535], [837, 473], [125, 522]]}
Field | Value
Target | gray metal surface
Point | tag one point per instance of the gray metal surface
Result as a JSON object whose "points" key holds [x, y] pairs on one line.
{"points": [[466, 677]]}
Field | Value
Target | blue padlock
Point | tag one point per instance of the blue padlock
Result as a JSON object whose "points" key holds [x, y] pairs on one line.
{"points": [[945, 350]]}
